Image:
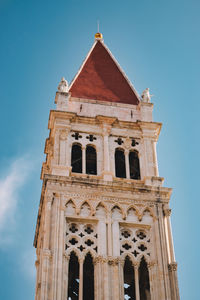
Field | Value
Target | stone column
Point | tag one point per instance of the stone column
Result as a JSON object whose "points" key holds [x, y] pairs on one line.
{"points": [[83, 160], [65, 276], [121, 278], [46, 254], [106, 286], [151, 269], [55, 239], [109, 224], [127, 164], [47, 222], [80, 279], [155, 159], [107, 174], [102, 240], [172, 267], [60, 249], [113, 262], [137, 287], [115, 239], [98, 278], [65, 150], [63, 139], [173, 281], [167, 213], [37, 264], [164, 284]]}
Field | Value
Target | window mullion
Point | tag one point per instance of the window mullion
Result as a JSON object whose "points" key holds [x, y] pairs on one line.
{"points": [[137, 288], [80, 279]]}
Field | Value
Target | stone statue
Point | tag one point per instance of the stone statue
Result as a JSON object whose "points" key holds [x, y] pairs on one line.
{"points": [[146, 97], [63, 86]]}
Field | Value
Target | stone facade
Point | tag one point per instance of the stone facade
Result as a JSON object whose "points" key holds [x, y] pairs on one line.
{"points": [[109, 217]]}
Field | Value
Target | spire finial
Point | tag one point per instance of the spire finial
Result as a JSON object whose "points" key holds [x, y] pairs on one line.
{"points": [[98, 35]]}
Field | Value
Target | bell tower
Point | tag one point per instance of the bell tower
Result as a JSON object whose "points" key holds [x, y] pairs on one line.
{"points": [[103, 228]]}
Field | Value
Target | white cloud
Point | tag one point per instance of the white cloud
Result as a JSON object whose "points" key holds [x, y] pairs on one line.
{"points": [[9, 191], [27, 263]]}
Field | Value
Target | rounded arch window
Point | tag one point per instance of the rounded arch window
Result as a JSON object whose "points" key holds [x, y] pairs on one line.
{"points": [[91, 160], [120, 168], [134, 165], [76, 158]]}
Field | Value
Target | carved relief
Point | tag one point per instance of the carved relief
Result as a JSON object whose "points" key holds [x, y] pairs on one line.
{"points": [[172, 266]]}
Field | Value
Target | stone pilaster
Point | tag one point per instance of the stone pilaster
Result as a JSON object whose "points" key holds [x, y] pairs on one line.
{"points": [[173, 281], [65, 276]]}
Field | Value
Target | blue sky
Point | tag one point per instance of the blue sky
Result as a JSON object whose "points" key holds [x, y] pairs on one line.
{"points": [[157, 43]]}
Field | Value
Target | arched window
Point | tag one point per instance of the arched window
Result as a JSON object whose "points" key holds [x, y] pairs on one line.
{"points": [[120, 168], [144, 281], [129, 280], [91, 160], [134, 165], [76, 158], [88, 278], [73, 278]]}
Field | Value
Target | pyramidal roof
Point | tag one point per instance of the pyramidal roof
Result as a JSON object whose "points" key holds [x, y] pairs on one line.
{"points": [[101, 78]]}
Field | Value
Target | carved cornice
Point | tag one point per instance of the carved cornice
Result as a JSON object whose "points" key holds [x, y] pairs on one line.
{"points": [[106, 120]]}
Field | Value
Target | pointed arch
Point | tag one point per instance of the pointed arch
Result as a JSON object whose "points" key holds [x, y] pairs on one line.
{"points": [[85, 209], [134, 164], [75, 250], [88, 277], [130, 256], [144, 282], [129, 279], [73, 277], [134, 208], [101, 210], [70, 207], [121, 211], [90, 251], [120, 166], [148, 209], [76, 158]]}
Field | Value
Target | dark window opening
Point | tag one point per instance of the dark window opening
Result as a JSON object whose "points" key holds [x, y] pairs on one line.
{"points": [[76, 159], [144, 281], [88, 278], [91, 160], [134, 165], [120, 169], [73, 278], [129, 280]]}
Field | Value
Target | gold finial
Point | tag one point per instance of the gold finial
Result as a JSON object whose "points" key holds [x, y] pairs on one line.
{"points": [[98, 36]]}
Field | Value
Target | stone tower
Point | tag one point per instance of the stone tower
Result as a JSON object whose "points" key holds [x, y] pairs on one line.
{"points": [[103, 228]]}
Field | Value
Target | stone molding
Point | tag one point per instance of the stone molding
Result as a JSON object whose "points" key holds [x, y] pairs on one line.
{"points": [[172, 266], [167, 212]]}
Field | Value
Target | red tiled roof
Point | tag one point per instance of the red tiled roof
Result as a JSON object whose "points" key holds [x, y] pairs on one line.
{"points": [[101, 79]]}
